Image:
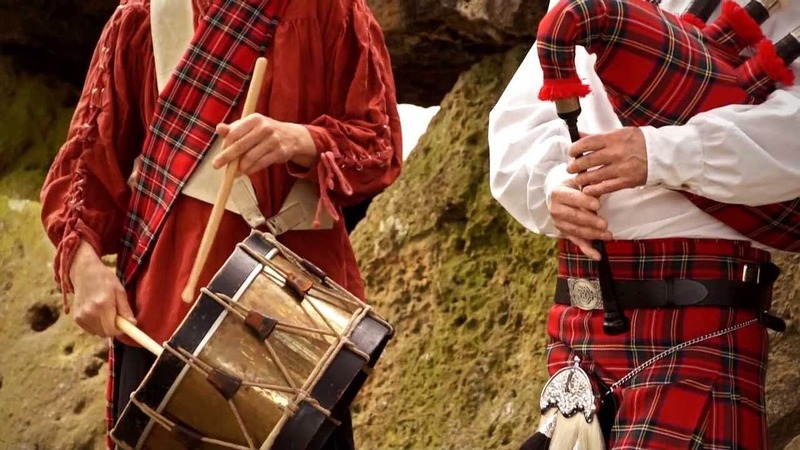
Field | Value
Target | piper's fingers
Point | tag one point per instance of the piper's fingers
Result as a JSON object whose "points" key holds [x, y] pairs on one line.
{"points": [[583, 232], [597, 158], [575, 198], [606, 187], [579, 217], [243, 126], [585, 246], [595, 177], [123, 307], [260, 158], [223, 129], [590, 143]]}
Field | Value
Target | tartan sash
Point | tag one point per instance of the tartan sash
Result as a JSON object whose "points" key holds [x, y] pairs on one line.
{"points": [[202, 92], [660, 70]]}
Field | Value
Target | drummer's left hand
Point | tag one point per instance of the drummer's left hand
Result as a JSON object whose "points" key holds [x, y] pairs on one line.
{"points": [[610, 162], [260, 142]]}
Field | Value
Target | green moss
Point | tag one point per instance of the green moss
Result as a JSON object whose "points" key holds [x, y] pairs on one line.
{"points": [[465, 285], [33, 125]]}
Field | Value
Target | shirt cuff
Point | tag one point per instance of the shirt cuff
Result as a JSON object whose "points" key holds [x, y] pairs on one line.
{"points": [[555, 177], [674, 155]]}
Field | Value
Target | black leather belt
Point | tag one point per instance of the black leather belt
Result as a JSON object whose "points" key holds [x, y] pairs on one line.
{"points": [[585, 293], [754, 291]]}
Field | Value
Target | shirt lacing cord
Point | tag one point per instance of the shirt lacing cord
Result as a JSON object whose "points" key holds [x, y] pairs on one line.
{"points": [[329, 171], [87, 134]]}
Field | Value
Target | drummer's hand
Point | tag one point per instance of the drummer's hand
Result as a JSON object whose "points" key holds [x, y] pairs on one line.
{"points": [[575, 214], [261, 142], [99, 296], [618, 160]]}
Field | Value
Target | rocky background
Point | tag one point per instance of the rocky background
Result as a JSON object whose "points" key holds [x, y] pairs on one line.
{"points": [[465, 286]]}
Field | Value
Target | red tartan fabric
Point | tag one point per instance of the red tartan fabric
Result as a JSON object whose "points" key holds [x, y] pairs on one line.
{"points": [[110, 406], [709, 396], [700, 259], [206, 87], [665, 77]]}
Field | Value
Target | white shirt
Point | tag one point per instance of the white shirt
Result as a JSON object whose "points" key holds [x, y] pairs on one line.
{"points": [[743, 154]]}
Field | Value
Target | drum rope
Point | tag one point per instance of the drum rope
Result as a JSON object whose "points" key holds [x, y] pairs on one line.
{"points": [[241, 312], [278, 275], [241, 424], [277, 360], [205, 369], [172, 426]]}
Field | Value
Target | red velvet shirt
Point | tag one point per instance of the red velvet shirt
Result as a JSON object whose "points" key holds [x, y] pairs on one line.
{"points": [[328, 68]]}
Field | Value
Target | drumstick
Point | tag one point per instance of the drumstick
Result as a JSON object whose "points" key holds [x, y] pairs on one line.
{"points": [[138, 336], [224, 190]]}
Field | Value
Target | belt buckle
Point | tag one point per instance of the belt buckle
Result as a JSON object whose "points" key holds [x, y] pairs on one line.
{"points": [[751, 273], [585, 294]]}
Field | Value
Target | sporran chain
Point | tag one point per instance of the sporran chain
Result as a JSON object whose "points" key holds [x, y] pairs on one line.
{"points": [[675, 349]]}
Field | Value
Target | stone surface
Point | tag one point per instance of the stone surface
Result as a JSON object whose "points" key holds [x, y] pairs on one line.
{"points": [[53, 374], [783, 376], [33, 125], [433, 41], [55, 37], [466, 287]]}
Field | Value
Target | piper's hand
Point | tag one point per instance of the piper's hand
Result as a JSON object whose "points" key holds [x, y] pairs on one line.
{"points": [[260, 142], [99, 296], [575, 214], [618, 161]]}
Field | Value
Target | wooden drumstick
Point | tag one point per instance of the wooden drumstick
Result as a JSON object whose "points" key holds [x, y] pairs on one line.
{"points": [[138, 336], [225, 190]]}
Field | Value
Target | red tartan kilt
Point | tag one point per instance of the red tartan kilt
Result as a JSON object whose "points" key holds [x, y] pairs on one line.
{"points": [[709, 395]]}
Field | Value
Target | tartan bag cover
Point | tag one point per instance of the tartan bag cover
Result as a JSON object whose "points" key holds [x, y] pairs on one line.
{"points": [[202, 92], [660, 70]]}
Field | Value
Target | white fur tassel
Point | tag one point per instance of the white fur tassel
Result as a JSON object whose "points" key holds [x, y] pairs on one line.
{"points": [[574, 433]]}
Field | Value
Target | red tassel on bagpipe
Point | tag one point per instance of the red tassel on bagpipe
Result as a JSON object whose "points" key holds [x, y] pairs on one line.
{"points": [[557, 89], [773, 64]]}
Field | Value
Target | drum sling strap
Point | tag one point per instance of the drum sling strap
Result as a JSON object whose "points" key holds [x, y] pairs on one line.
{"points": [[172, 29]]}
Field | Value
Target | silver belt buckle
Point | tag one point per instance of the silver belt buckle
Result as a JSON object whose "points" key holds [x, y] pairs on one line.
{"points": [[585, 294]]}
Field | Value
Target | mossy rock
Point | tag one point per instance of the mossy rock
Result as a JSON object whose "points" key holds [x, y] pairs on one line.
{"points": [[466, 287], [33, 126], [53, 374]]}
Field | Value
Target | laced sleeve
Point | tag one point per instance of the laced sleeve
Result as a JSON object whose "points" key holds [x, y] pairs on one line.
{"points": [[85, 194], [359, 139]]}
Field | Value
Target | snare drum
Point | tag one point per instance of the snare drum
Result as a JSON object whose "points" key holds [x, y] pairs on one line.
{"points": [[267, 357]]}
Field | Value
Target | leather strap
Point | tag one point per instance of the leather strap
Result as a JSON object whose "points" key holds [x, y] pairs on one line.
{"points": [[666, 293], [172, 29]]}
